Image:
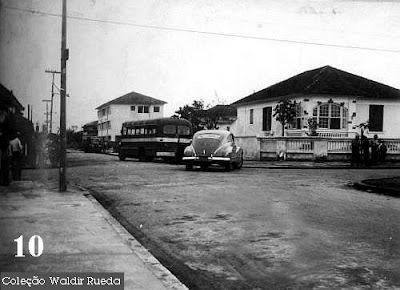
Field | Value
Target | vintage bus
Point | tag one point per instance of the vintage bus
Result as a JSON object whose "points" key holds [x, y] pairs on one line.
{"points": [[147, 139]]}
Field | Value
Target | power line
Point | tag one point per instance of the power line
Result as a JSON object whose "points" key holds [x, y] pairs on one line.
{"points": [[207, 32]]}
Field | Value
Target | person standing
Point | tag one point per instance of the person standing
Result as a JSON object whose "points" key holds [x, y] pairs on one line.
{"points": [[365, 149], [374, 149], [16, 156], [355, 151], [382, 149]]}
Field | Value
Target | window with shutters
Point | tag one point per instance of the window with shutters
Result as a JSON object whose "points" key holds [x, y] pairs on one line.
{"points": [[267, 119], [376, 118]]}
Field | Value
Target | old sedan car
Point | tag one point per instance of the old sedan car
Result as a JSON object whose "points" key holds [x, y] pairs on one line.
{"points": [[213, 147]]}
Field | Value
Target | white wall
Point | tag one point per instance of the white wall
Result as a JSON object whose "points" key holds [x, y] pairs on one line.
{"points": [[242, 126], [391, 117]]}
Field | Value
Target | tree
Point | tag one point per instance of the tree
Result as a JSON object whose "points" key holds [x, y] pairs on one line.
{"points": [[312, 127], [219, 113], [285, 112], [193, 113]]}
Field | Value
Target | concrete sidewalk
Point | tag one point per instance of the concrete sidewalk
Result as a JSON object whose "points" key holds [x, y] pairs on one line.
{"points": [[79, 235]]}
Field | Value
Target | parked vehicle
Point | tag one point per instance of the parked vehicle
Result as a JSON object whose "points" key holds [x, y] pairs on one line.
{"points": [[164, 137], [213, 147], [91, 144]]}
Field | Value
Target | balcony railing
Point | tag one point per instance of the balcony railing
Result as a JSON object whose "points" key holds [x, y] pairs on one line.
{"points": [[339, 146], [300, 145], [321, 133]]}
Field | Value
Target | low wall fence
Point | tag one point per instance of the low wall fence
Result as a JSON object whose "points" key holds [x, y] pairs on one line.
{"points": [[314, 148]]}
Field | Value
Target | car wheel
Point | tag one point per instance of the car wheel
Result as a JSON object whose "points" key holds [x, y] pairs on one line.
{"points": [[239, 164], [228, 166], [189, 167], [121, 157]]}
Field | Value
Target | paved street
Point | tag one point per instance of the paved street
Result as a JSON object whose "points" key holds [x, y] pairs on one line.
{"points": [[254, 228]]}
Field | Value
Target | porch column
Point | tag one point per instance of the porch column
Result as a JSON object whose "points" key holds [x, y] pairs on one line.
{"points": [[281, 148], [320, 149]]}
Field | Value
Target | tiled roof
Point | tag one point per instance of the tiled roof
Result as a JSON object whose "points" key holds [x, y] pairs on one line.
{"points": [[132, 98], [8, 99], [326, 80], [222, 111], [93, 123]]}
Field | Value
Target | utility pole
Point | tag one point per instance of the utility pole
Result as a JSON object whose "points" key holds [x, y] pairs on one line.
{"points": [[53, 72], [63, 137], [47, 114]]}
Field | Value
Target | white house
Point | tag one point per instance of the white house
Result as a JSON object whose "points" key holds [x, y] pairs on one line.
{"points": [[129, 107], [337, 100]]}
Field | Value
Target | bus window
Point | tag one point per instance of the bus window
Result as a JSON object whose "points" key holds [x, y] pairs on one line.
{"points": [[141, 131], [151, 131], [148, 131], [183, 130], [169, 129]]}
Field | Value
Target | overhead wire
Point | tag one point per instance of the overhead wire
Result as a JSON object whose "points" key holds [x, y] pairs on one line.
{"points": [[205, 32]]}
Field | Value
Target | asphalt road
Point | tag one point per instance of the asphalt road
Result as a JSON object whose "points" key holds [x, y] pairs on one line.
{"points": [[251, 228]]}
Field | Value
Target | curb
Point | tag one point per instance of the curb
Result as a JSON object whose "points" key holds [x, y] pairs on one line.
{"points": [[382, 190], [162, 273], [297, 167], [315, 166]]}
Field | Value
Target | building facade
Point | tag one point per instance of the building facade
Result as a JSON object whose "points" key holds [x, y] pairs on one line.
{"points": [[129, 107], [340, 104], [338, 101]]}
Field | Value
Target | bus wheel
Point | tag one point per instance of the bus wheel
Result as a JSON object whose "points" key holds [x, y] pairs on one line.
{"points": [[142, 155], [121, 157]]}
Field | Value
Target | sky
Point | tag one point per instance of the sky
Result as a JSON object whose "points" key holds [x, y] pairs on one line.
{"points": [[218, 51]]}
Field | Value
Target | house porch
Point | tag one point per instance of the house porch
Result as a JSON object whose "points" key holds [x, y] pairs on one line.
{"points": [[306, 148]]}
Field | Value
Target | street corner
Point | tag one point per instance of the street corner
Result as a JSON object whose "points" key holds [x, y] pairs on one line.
{"points": [[386, 186]]}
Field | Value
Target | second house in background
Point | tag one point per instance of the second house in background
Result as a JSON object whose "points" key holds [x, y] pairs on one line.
{"points": [[129, 107]]}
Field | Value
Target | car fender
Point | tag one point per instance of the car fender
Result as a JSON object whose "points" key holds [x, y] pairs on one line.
{"points": [[223, 150], [189, 151]]}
